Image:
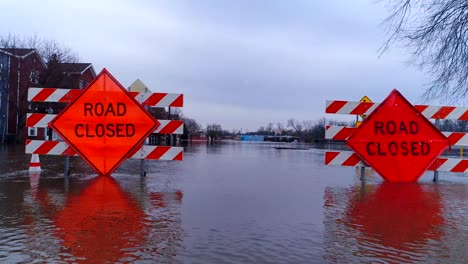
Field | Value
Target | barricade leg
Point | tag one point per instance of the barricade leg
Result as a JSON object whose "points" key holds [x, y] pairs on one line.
{"points": [[363, 173], [142, 168], [436, 176], [67, 166]]}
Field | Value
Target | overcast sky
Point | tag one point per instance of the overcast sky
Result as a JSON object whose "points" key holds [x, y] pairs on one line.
{"points": [[240, 63]]}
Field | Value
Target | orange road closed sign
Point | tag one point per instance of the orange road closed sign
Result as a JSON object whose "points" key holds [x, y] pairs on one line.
{"points": [[397, 140], [104, 124]]}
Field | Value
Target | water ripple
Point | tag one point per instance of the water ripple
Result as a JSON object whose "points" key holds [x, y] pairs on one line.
{"points": [[416, 225]]}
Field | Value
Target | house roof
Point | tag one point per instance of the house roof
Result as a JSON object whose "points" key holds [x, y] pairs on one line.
{"points": [[138, 86], [77, 68], [22, 53], [19, 53], [71, 68]]}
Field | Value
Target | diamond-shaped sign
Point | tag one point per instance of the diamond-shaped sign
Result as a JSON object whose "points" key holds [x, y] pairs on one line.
{"points": [[104, 124], [397, 140]]}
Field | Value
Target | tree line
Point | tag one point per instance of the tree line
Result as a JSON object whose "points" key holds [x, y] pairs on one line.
{"points": [[307, 130]]}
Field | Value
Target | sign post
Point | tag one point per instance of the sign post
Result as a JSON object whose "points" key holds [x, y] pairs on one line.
{"points": [[364, 99], [104, 124]]}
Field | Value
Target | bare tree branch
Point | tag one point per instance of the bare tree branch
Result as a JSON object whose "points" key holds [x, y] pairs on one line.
{"points": [[191, 125], [47, 48], [435, 33]]}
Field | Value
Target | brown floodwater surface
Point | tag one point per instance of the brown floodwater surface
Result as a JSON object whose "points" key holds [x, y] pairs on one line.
{"points": [[231, 202]]}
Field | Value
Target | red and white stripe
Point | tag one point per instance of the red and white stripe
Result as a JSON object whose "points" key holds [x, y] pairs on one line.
{"points": [[343, 158], [339, 132], [49, 148], [159, 153], [38, 120], [67, 95], [62, 149], [166, 126], [52, 94], [443, 112], [348, 107], [457, 138], [360, 108], [450, 165], [343, 133], [35, 164], [170, 127], [349, 158], [160, 99]]}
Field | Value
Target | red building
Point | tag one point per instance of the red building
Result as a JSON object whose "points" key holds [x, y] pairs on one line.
{"points": [[77, 75], [198, 137], [19, 69], [24, 68]]}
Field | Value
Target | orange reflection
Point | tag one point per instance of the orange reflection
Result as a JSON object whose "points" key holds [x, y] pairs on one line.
{"points": [[390, 222], [397, 214], [101, 221], [158, 199]]}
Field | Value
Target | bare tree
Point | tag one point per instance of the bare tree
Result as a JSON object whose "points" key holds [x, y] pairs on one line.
{"points": [[48, 49], [52, 52], [279, 128], [436, 34], [191, 125], [214, 131], [332, 122], [269, 128], [297, 126]]}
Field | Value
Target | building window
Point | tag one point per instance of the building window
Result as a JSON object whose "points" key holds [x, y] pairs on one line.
{"points": [[34, 77], [32, 131]]}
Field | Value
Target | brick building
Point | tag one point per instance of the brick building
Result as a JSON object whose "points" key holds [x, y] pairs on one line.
{"points": [[24, 68], [19, 69], [77, 75]]}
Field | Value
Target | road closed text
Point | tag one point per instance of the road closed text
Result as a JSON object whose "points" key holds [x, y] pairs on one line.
{"points": [[397, 147], [104, 129]]}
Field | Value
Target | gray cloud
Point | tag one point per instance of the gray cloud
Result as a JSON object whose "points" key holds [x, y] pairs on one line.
{"points": [[239, 63]]}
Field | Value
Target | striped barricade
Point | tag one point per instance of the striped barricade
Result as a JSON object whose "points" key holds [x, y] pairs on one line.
{"points": [[61, 95], [166, 126], [60, 148], [349, 158], [361, 108]]}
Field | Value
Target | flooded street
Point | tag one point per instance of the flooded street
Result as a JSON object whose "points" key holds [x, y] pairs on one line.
{"points": [[227, 203]]}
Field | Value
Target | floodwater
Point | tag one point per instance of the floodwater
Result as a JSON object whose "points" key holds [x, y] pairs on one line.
{"points": [[227, 203]]}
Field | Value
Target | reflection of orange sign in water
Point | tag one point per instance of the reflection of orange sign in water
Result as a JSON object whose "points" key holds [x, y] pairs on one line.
{"points": [[400, 216], [101, 221], [386, 223]]}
